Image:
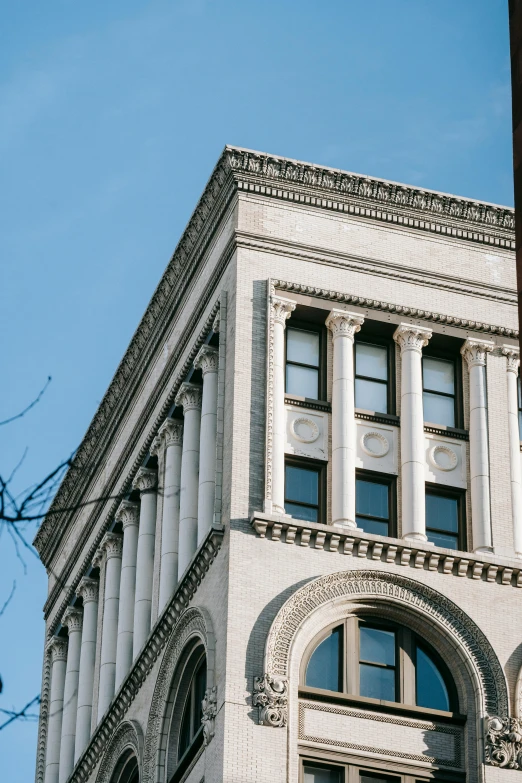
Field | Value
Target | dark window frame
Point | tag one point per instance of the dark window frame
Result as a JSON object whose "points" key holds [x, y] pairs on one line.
{"points": [[519, 405], [353, 769], [196, 661], [458, 400], [460, 496], [381, 478], [319, 467], [305, 326], [389, 344]]}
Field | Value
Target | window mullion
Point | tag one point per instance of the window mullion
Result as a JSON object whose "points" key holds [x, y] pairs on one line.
{"points": [[407, 667]]}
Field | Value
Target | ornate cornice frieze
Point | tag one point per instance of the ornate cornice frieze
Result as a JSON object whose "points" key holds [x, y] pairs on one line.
{"points": [[73, 619], [88, 589], [128, 513], [412, 338], [209, 712], [156, 643], [282, 309], [207, 359], [57, 648], [512, 354], [189, 397], [145, 480], [271, 696], [387, 307], [474, 351], [344, 324], [503, 742]]}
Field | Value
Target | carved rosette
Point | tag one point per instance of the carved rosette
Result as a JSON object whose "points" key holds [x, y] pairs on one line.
{"points": [[281, 309], [474, 351], [412, 338], [271, 695], [57, 648], [209, 710], [207, 359], [189, 396], [87, 590], [128, 513], [512, 354], [73, 619], [112, 544], [503, 742], [145, 480], [344, 324]]}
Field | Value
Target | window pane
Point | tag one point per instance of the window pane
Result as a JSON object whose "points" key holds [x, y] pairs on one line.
{"points": [[323, 670], [302, 381], [377, 683], [302, 347], [431, 688], [200, 687], [371, 360], [376, 778], [377, 646], [442, 513], [313, 774], [371, 396], [442, 539], [439, 375], [371, 498], [302, 485], [372, 526], [438, 409], [301, 512], [184, 734]]}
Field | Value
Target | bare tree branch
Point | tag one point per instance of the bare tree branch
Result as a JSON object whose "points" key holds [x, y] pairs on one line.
{"points": [[23, 714], [31, 405]]}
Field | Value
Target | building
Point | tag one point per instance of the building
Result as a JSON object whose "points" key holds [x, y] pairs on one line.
{"points": [[290, 547]]}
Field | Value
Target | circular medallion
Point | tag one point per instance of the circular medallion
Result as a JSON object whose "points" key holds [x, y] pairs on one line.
{"points": [[304, 430], [443, 457], [375, 444]]}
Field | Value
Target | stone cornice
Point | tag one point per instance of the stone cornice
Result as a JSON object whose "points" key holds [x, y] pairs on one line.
{"points": [[157, 640], [387, 307], [487, 568]]}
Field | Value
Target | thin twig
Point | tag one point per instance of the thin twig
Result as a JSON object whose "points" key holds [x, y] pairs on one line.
{"points": [[31, 405], [8, 599], [22, 714]]}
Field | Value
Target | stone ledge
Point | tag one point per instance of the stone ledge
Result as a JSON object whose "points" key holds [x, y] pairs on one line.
{"points": [[489, 568]]}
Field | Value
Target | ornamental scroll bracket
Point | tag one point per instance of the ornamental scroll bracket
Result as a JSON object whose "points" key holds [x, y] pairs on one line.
{"points": [[271, 696], [503, 742], [209, 712]]}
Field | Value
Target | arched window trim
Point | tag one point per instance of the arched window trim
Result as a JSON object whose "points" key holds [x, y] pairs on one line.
{"points": [[127, 769], [406, 642]]}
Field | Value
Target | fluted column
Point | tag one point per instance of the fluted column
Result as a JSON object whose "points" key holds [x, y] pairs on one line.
{"points": [[281, 311], [412, 340], [207, 361], [512, 355], [474, 351], [72, 619], [146, 482], [57, 649], [189, 397], [171, 436], [113, 545], [88, 592], [128, 515], [343, 326]]}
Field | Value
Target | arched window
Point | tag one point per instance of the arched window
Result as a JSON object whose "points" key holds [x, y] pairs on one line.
{"points": [[381, 661], [192, 714], [126, 770]]}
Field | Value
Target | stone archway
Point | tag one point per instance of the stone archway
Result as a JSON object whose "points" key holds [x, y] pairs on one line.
{"points": [[127, 737]]}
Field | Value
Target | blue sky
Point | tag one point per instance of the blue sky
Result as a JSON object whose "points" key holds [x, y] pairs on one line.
{"points": [[112, 117]]}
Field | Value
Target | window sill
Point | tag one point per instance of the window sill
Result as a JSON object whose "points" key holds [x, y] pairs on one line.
{"points": [[390, 707], [447, 432], [307, 402]]}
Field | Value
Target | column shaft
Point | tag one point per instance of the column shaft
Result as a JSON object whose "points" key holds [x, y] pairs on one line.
{"points": [[127, 514], [281, 310], [146, 482], [412, 339], [73, 620], [207, 361], [58, 652], [512, 355], [189, 396], [113, 547], [88, 591], [474, 351], [171, 434]]}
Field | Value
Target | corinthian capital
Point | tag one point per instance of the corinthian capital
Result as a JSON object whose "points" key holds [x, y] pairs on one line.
{"points": [[145, 480], [112, 544], [57, 648], [412, 338], [171, 432], [474, 351], [128, 513], [281, 309], [344, 324], [189, 396], [87, 590], [73, 619], [512, 354], [207, 359]]}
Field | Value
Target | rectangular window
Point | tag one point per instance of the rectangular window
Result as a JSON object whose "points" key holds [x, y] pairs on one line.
{"points": [[372, 371], [304, 490], [375, 503], [444, 518], [439, 391], [320, 773], [303, 362], [377, 655]]}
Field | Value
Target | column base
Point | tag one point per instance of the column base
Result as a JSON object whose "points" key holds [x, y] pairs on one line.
{"points": [[483, 549], [413, 537], [346, 525]]}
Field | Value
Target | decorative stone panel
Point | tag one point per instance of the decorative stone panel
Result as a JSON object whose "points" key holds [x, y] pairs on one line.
{"points": [[445, 461], [377, 447], [306, 433]]}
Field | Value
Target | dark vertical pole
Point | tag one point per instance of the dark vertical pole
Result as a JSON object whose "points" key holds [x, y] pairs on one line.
{"points": [[515, 35]]}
